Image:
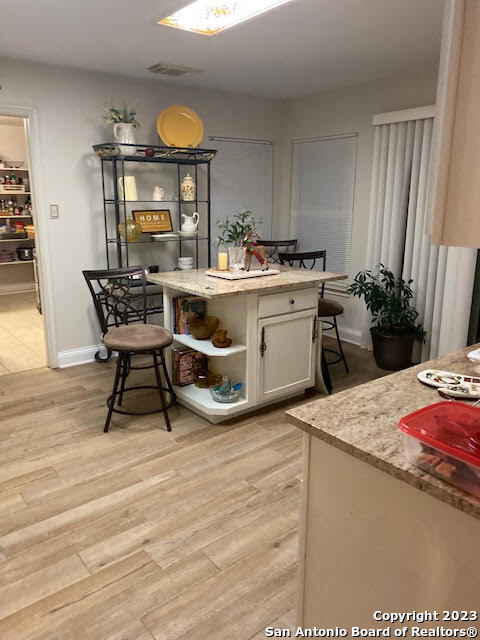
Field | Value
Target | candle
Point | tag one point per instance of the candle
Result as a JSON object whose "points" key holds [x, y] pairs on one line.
{"points": [[222, 261]]}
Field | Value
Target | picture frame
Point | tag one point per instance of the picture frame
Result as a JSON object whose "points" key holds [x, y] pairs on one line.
{"points": [[153, 220]]}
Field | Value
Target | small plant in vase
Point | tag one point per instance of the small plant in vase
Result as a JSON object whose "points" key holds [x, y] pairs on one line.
{"points": [[124, 122], [241, 232]]}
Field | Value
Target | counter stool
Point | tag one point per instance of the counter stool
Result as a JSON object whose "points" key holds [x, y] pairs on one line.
{"points": [[274, 247], [328, 310], [119, 295]]}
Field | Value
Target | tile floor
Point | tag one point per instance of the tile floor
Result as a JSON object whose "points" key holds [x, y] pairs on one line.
{"points": [[22, 340]]}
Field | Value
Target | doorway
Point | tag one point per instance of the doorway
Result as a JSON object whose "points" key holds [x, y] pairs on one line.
{"points": [[22, 334]]}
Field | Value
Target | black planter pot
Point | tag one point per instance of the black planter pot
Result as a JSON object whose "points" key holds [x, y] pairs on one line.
{"points": [[392, 352]]}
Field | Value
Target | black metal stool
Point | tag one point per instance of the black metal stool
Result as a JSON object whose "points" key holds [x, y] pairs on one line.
{"points": [[115, 302], [326, 308]]}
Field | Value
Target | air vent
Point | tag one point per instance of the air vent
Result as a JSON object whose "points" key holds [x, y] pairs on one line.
{"points": [[171, 69]]}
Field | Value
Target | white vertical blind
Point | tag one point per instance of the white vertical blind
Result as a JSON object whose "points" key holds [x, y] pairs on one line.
{"points": [[323, 183], [242, 177], [397, 237]]}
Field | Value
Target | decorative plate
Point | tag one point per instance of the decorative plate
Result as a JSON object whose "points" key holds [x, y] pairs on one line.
{"points": [[180, 126], [465, 390], [437, 378]]}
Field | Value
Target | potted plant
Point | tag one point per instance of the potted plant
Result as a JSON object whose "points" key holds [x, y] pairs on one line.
{"points": [[124, 122], [232, 233], [395, 326]]}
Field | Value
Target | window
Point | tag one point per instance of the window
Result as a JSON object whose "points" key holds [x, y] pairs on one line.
{"points": [[323, 182], [242, 177]]}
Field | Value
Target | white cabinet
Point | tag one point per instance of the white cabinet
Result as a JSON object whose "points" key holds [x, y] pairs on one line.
{"points": [[286, 354]]}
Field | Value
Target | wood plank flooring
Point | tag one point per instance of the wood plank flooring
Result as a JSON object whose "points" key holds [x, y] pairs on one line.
{"points": [[140, 534]]}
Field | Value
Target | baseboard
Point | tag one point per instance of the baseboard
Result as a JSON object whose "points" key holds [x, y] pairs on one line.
{"points": [[16, 287], [74, 357], [354, 336]]}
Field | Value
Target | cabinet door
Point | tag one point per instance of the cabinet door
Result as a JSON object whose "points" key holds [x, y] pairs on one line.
{"points": [[286, 351]]}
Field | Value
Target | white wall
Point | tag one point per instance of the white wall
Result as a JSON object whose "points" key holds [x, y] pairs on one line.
{"points": [[69, 104], [345, 111]]}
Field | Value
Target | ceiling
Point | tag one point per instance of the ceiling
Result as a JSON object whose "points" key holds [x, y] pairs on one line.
{"points": [[300, 48]]}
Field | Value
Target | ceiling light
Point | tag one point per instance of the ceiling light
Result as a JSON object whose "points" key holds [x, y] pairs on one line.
{"points": [[208, 17]]}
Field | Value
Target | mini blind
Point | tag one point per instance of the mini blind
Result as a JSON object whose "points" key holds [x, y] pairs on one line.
{"points": [[323, 183], [242, 177]]}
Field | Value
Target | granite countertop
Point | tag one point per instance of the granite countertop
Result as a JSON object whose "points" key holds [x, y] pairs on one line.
{"points": [[362, 421], [197, 283]]}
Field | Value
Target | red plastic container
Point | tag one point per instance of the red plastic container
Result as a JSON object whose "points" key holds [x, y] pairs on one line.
{"points": [[444, 439]]}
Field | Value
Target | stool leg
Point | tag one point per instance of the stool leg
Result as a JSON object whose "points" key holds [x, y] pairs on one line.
{"points": [[114, 393], [167, 378], [125, 372], [326, 373], [340, 345], [160, 391]]}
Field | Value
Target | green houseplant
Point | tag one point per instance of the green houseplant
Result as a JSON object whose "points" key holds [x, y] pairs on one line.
{"points": [[395, 325], [232, 233]]}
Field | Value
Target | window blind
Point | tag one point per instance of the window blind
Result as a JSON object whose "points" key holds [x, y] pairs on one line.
{"points": [[323, 183], [242, 177]]}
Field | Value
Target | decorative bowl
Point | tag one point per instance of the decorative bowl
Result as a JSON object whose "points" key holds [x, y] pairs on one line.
{"points": [[232, 396], [203, 328]]}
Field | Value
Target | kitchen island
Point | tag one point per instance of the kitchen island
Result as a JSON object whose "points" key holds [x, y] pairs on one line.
{"points": [[272, 321], [378, 534]]}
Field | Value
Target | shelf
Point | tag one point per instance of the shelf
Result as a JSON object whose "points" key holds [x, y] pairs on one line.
{"points": [[202, 400], [12, 169], [206, 346], [14, 193], [159, 202], [177, 155], [5, 217], [17, 262], [15, 239], [149, 242]]}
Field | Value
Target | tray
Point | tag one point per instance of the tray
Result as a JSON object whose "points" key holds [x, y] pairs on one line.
{"points": [[228, 275]]}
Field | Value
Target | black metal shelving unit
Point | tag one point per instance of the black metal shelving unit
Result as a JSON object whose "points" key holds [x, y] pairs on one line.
{"points": [[113, 167]]}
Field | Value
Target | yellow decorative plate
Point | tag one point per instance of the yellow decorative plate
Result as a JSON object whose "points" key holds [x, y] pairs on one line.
{"points": [[180, 126]]}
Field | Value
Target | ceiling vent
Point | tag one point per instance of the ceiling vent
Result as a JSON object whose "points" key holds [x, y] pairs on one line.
{"points": [[166, 69]]}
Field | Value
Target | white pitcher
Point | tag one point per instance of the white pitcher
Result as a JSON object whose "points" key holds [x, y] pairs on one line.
{"points": [[190, 223], [123, 132]]}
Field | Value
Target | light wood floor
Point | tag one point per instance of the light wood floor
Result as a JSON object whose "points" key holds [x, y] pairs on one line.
{"points": [[141, 534]]}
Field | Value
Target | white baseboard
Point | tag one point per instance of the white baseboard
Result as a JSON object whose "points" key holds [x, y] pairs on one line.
{"points": [[17, 287], [354, 336], [74, 357]]}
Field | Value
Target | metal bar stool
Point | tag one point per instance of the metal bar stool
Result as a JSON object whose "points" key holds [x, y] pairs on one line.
{"points": [[119, 296], [274, 247], [328, 310]]}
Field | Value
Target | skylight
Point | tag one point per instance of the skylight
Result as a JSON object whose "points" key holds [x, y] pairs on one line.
{"points": [[208, 17]]}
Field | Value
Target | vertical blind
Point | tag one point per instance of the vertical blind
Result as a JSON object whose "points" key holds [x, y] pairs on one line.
{"points": [[242, 177], [397, 237], [323, 183]]}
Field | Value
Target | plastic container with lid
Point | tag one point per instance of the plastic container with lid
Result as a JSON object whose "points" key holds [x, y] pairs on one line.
{"points": [[444, 439]]}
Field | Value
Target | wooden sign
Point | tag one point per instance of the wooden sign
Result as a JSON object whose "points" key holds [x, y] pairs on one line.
{"points": [[154, 221]]}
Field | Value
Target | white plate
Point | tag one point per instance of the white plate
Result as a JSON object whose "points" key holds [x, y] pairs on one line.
{"points": [[474, 356], [446, 379], [466, 390], [158, 237], [229, 275]]}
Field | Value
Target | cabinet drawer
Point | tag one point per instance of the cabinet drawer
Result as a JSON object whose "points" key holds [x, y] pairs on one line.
{"points": [[287, 302]]}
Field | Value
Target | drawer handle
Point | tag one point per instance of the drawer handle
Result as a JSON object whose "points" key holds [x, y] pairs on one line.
{"points": [[292, 301]]}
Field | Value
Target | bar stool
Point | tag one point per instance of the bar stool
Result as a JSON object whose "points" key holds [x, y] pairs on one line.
{"points": [[328, 310], [119, 295], [274, 247]]}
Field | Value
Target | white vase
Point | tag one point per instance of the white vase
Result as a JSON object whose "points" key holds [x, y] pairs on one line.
{"points": [[188, 188], [124, 132]]}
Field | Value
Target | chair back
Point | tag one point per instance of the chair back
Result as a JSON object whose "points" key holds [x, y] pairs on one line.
{"points": [[274, 247], [119, 295], [306, 260]]}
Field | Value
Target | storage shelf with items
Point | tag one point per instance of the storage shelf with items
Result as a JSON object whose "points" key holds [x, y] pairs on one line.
{"points": [[17, 237], [171, 182], [208, 369]]}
